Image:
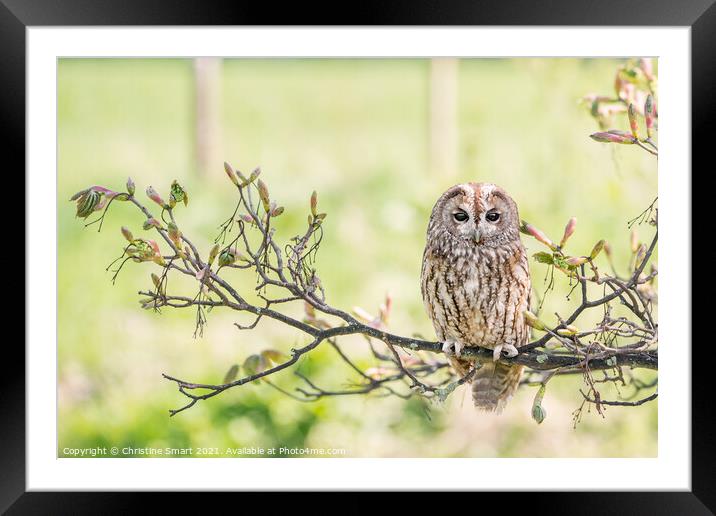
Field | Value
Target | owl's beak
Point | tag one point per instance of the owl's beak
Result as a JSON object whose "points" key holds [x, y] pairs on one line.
{"points": [[476, 235]]}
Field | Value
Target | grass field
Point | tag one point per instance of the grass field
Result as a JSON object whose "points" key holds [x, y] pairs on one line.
{"points": [[357, 132]]}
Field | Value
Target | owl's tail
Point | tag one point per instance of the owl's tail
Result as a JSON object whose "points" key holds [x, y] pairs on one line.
{"points": [[494, 384]]}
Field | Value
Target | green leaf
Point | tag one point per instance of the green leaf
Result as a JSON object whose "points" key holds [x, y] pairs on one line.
{"points": [[178, 194], [544, 257]]}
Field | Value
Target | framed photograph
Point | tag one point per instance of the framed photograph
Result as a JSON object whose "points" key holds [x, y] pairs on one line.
{"points": [[409, 257]]}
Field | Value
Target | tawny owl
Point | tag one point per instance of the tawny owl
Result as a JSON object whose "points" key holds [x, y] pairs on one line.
{"points": [[475, 284]]}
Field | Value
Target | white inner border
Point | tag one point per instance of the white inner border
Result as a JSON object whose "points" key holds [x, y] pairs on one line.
{"points": [[671, 470]]}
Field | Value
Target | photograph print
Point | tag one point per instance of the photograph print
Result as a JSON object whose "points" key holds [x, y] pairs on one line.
{"points": [[342, 257]]}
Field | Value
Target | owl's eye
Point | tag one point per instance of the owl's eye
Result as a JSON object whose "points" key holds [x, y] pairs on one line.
{"points": [[492, 216], [460, 216]]}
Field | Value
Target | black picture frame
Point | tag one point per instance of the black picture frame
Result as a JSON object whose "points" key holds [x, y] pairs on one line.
{"points": [[17, 15]]}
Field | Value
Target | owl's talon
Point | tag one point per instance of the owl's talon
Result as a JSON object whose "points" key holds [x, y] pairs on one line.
{"points": [[451, 347], [496, 352], [508, 349], [448, 346]]}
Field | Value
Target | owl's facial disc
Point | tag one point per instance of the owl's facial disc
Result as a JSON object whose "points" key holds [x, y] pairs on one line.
{"points": [[476, 214], [460, 214]]}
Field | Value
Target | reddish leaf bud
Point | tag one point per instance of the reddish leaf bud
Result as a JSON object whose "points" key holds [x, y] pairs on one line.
{"points": [[649, 115], [152, 223], [531, 230], [576, 261], [127, 234], [640, 255], [633, 124], [264, 195], [613, 136], [647, 67], [174, 234], [230, 172], [314, 203], [153, 195], [634, 240], [254, 175], [568, 231]]}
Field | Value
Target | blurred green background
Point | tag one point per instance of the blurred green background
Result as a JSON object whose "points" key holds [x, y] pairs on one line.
{"points": [[358, 132]]}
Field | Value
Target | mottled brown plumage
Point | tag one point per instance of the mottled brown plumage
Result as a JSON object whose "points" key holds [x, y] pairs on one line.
{"points": [[475, 284]]}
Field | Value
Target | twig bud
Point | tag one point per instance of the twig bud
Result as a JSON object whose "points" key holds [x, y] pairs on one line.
{"points": [[174, 234], [619, 85], [153, 195], [649, 115], [633, 124], [576, 261], [157, 256], [532, 320], [568, 331], [568, 231], [314, 203], [531, 230], [613, 136], [264, 195], [385, 309], [647, 67], [596, 249], [254, 175], [127, 234], [230, 172], [640, 255], [201, 273], [151, 223], [130, 186], [634, 240], [213, 253]]}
